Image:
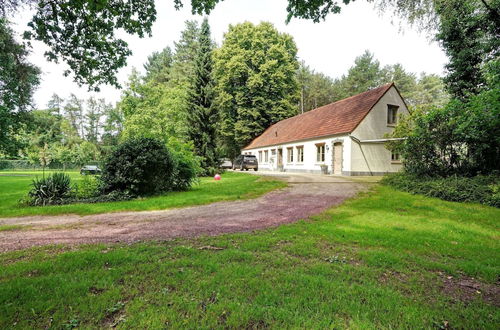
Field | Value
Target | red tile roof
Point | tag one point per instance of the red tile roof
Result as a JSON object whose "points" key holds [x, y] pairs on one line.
{"points": [[336, 118]]}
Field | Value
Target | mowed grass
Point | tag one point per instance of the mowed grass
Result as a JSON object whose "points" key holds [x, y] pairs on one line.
{"points": [[378, 261], [15, 185]]}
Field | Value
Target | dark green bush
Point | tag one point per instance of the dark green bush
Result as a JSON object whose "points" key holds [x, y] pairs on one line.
{"points": [[479, 189], [50, 190], [141, 166], [461, 138]]}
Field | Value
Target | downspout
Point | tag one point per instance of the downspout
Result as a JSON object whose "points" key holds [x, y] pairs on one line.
{"points": [[358, 141]]}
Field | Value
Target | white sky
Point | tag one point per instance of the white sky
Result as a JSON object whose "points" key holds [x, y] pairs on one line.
{"points": [[329, 47]]}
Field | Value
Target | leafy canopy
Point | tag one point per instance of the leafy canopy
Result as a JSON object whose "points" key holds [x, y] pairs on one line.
{"points": [[255, 69], [18, 81]]}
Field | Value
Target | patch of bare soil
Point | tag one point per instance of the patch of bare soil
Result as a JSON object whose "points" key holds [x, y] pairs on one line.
{"points": [[459, 289], [467, 289], [298, 201]]}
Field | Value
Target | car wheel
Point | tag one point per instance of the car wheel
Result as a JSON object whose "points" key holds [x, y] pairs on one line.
{"points": [[256, 169]]}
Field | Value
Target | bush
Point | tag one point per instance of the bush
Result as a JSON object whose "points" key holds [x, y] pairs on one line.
{"points": [[187, 165], [51, 190], [88, 187], [462, 138], [141, 166], [480, 189]]}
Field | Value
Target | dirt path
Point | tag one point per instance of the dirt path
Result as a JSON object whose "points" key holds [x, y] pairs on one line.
{"points": [[298, 201]]}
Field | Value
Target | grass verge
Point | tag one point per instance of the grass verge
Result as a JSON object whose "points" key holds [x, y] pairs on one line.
{"points": [[387, 259], [15, 185]]}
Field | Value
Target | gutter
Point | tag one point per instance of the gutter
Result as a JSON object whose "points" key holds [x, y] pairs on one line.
{"points": [[375, 140]]}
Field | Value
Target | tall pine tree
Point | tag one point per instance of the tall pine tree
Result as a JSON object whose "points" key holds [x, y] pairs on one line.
{"points": [[202, 115]]}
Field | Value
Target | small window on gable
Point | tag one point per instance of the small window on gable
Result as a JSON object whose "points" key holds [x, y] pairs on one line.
{"points": [[392, 114]]}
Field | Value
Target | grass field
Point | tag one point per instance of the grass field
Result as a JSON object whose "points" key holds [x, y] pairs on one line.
{"points": [[15, 185], [384, 260]]}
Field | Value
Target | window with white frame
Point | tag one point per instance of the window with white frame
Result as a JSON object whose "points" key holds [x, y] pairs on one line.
{"points": [[395, 157], [289, 154], [266, 156], [320, 153], [300, 154], [260, 156]]}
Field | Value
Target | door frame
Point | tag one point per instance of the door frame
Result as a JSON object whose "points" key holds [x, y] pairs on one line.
{"points": [[280, 157], [341, 143]]}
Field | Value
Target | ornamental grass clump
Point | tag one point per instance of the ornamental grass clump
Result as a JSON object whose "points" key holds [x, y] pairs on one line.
{"points": [[53, 189]]}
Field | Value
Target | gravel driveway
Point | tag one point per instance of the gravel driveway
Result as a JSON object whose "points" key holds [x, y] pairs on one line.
{"points": [[306, 195]]}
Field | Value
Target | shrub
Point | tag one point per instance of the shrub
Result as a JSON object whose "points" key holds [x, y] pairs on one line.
{"points": [[186, 165], [50, 190], [113, 196], [88, 187], [462, 138], [140, 166], [480, 189]]}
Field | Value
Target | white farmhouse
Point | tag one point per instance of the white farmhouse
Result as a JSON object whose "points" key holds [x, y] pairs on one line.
{"points": [[341, 138]]}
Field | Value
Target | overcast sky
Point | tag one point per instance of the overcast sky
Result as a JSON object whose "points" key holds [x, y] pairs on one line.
{"points": [[329, 47]]}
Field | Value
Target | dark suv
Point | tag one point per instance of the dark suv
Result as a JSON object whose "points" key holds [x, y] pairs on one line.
{"points": [[245, 162]]}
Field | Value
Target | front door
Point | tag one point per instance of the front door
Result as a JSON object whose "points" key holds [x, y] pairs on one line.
{"points": [[280, 157], [337, 158]]}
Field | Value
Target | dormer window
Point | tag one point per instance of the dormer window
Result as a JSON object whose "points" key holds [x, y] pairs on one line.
{"points": [[392, 114]]}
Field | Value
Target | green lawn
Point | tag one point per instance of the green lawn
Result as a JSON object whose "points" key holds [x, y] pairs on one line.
{"points": [[378, 261], [15, 185]]}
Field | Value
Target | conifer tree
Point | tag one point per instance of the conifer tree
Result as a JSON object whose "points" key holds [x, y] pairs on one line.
{"points": [[202, 115]]}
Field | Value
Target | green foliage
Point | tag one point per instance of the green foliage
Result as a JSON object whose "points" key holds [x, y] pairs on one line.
{"points": [[50, 190], [82, 33], [187, 166], [430, 91], [18, 80], [469, 34], [316, 89], [158, 65], [186, 50], [461, 138], [153, 110], [255, 69], [366, 73], [141, 166], [478, 189], [89, 186], [202, 113]]}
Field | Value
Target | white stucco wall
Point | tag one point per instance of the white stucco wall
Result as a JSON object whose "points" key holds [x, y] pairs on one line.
{"points": [[310, 165], [374, 158]]}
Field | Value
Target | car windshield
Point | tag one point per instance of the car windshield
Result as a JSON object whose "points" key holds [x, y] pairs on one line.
{"points": [[250, 157]]}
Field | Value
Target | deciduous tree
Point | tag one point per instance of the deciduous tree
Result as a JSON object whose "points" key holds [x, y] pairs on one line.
{"points": [[18, 80], [255, 70]]}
